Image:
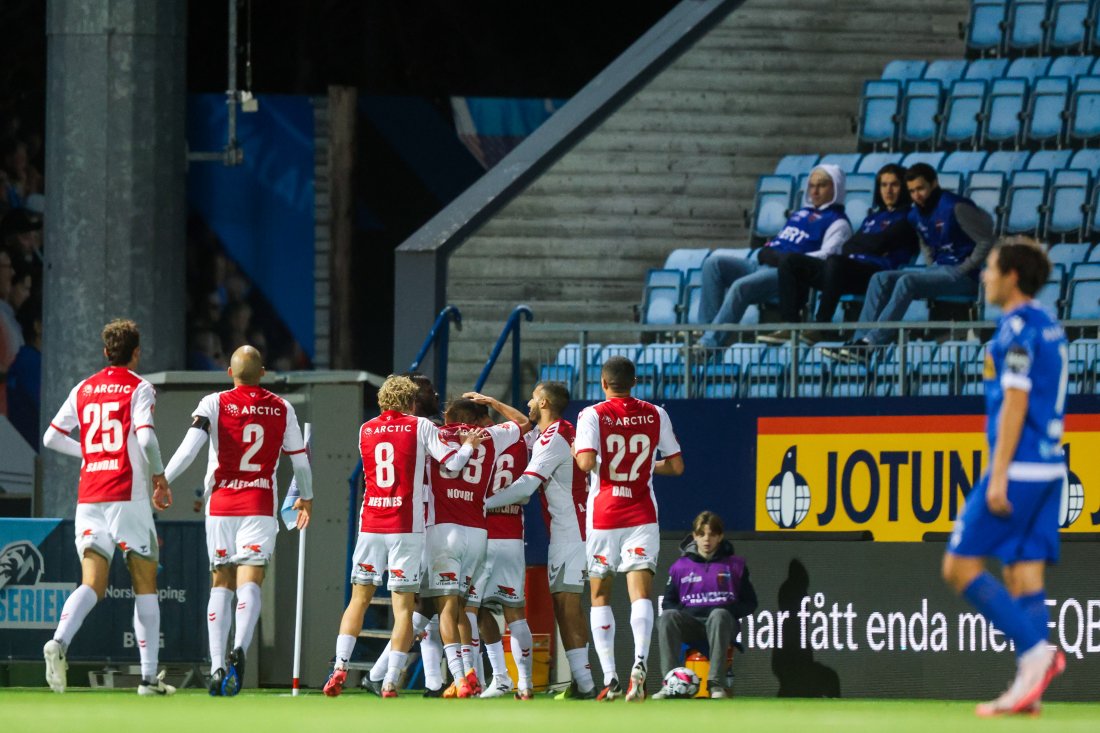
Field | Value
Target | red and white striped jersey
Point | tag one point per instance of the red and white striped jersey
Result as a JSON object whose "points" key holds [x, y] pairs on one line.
{"points": [[564, 485], [395, 448], [506, 522], [110, 407], [459, 497], [249, 427], [626, 434]]}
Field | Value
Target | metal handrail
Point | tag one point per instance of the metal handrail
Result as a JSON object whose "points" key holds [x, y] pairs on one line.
{"points": [[441, 332], [511, 328]]}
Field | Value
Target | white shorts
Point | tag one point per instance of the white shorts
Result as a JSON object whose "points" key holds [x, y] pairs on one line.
{"points": [[622, 550], [566, 567], [500, 582], [240, 540], [126, 524], [398, 554], [455, 556]]}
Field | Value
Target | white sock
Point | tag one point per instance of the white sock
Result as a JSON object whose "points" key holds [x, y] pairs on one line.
{"points": [[454, 660], [420, 622], [522, 649], [467, 655], [218, 621], [380, 669], [345, 645], [147, 633], [495, 650], [641, 623], [248, 613], [397, 666], [76, 608], [475, 648], [581, 669], [431, 652], [603, 638]]}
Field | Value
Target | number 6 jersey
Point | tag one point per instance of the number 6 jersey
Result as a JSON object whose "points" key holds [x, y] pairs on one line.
{"points": [[625, 434], [249, 426]]}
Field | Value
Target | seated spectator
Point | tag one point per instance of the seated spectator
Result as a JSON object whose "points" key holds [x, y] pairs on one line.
{"points": [[885, 241], [708, 593], [206, 353], [955, 238], [23, 179], [731, 284], [25, 376]]}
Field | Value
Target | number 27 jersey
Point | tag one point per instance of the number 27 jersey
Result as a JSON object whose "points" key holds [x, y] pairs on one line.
{"points": [[626, 434]]}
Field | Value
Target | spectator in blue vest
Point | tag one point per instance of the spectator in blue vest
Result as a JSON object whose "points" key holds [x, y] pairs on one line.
{"points": [[731, 284], [955, 238], [885, 241]]}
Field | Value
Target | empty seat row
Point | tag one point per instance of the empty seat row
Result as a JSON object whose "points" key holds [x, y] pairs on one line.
{"points": [[959, 161], [1011, 27], [946, 71], [1009, 112]]}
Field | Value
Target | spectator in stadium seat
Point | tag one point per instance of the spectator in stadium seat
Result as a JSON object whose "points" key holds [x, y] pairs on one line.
{"points": [[885, 241], [22, 178], [955, 238], [708, 592], [24, 381], [731, 284]]}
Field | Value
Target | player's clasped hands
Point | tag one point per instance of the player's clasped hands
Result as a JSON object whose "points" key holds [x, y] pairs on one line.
{"points": [[162, 493]]}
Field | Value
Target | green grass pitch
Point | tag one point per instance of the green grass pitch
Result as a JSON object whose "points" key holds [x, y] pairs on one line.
{"points": [[271, 711]]}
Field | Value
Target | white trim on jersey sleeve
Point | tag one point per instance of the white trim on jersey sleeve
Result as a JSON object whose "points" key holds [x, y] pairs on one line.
{"points": [[293, 442], [1009, 380], [667, 443], [66, 420], [504, 435], [588, 431], [208, 408], [142, 404]]}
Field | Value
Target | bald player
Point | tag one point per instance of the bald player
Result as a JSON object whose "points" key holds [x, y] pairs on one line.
{"points": [[248, 427]]}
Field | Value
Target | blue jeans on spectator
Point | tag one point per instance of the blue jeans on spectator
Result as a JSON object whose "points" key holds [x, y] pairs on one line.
{"points": [[890, 292], [730, 286]]}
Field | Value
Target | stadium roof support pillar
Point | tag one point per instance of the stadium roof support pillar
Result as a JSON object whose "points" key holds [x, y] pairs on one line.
{"points": [[115, 203]]}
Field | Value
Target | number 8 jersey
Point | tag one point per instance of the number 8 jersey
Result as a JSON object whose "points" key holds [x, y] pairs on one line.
{"points": [[626, 434], [249, 426], [110, 407]]}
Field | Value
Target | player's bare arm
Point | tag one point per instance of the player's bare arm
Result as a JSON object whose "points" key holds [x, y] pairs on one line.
{"points": [[673, 466], [1010, 427], [586, 460], [162, 493], [509, 412]]}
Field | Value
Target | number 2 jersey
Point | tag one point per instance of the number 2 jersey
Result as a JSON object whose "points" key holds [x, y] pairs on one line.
{"points": [[626, 434], [249, 427], [110, 407]]}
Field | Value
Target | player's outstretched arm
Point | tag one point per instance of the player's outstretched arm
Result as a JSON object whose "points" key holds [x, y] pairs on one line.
{"points": [[673, 466], [518, 493], [188, 450], [509, 412]]}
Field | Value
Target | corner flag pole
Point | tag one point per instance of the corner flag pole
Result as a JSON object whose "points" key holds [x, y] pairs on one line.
{"points": [[290, 518]]}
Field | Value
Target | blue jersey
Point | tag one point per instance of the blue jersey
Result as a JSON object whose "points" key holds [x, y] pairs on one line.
{"points": [[878, 222], [940, 230], [805, 229], [1029, 352]]}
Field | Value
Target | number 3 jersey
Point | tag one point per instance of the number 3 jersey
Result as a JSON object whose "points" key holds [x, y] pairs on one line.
{"points": [[249, 426], [626, 434], [110, 407]]}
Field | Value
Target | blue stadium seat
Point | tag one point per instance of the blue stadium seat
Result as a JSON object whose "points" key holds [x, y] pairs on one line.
{"points": [[1067, 26], [1049, 160], [934, 159], [1083, 354], [888, 370], [904, 70], [964, 161], [1046, 116], [693, 296], [570, 355], [879, 112], [1068, 254], [847, 162], [985, 26], [558, 373], [1083, 299], [684, 259], [1093, 254], [1088, 270], [813, 373], [1004, 107], [630, 351], [1026, 29], [1069, 193], [1094, 213], [1006, 161], [961, 111], [1071, 66], [873, 161], [1084, 119], [1086, 160], [917, 311], [723, 379], [860, 197], [795, 165], [986, 189], [1024, 203], [920, 110], [773, 202], [941, 374], [650, 368], [1028, 68], [945, 71], [1050, 295], [986, 69], [950, 181], [661, 297]]}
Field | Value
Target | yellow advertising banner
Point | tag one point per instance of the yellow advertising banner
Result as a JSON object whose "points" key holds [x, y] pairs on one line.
{"points": [[897, 476]]}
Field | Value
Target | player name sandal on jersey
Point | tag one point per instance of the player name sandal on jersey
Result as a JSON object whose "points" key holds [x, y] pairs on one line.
{"points": [[56, 665], [156, 687]]}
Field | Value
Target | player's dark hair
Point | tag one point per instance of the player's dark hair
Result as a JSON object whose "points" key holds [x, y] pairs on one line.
{"points": [[120, 339], [557, 394], [921, 170], [464, 411], [427, 401], [1028, 259], [707, 520], [618, 372], [891, 169]]}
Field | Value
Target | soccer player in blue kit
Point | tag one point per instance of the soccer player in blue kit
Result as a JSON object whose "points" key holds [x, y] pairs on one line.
{"points": [[1012, 514]]}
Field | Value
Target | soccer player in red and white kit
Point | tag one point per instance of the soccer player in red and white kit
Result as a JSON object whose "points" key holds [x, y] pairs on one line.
{"points": [[248, 428], [114, 410], [501, 580], [394, 447], [457, 533], [621, 437], [564, 502]]}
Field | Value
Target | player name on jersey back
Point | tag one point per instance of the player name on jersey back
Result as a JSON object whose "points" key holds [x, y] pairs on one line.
{"points": [[458, 497]]}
